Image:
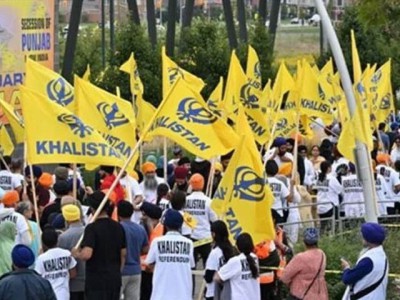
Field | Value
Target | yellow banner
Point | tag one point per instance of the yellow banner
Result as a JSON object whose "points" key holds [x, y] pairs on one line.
{"points": [[6, 144], [15, 120]]}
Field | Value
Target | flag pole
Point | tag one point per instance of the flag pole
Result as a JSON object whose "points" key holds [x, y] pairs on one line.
{"points": [[4, 162], [364, 170], [296, 147], [74, 182], [165, 162], [34, 194], [25, 164], [211, 177]]}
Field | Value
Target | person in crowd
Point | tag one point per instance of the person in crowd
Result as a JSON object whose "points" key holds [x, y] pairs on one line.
{"points": [[353, 196], [163, 196], [132, 190], [290, 145], [25, 208], [136, 244], [395, 152], [375, 149], [55, 264], [178, 202], [339, 162], [281, 193], [368, 279], [393, 133], [107, 179], [8, 181], [178, 154], [42, 194], [305, 273], [281, 154], [328, 190], [392, 180], [222, 252], [104, 250], [384, 137], [225, 159], [23, 282], [198, 205], [60, 173], [7, 241], [153, 227], [70, 168], [61, 188], [8, 213], [46, 181], [315, 158], [171, 254], [202, 167], [309, 172], [218, 169], [16, 167], [241, 271], [181, 179], [150, 182], [185, 162], [382, 191], [67, 240]]}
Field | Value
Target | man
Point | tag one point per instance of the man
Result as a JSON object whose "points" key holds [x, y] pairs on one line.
{"points": [[8, 213], [394, 127], [67, 240], [61, 188], [131, 187], [172, 258], [384, 137], [136, 244], [107, 179], [198, 205], [181, 179], [24, 283], [368, 279], [281, 155], [201, 166], [217, 177], [104, 250], [178, 153], [150, 182], [8, 180], [309, 174], [55, 264], [42, 194]]}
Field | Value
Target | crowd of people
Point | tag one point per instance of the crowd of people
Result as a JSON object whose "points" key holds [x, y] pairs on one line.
{"points": [[157, 225]]}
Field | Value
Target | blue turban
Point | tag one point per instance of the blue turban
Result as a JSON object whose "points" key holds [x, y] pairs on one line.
{"points": [[37, 171], [373, 233], [173, 219], [22, 256], [394, 126], [311, 236], [279, 141]]}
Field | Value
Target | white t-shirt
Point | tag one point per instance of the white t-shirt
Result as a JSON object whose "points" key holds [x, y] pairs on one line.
{"points": [[395, 154], [328, 191], [198, 206], [173, 258], [353, 192], [280, 192], [19, 177], [382, 193], [129, 182], [243, 285], [8, 180], [339, 162], [151, 195], [164, 204], [287, 155], [392, 179], [309, 176], [54, 266], [214, 262], [21, 224]]}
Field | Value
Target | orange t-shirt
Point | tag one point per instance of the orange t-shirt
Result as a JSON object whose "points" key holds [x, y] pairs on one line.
{"points": [[156, 232]]}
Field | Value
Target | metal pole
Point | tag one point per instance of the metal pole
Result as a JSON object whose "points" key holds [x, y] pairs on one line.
{"points": [[364, 170], [112, 38], [171, 27], [70, 45], [262, 11], [188, 13], [134, 11], [103, 33], [273, 22], [230, 25], [151, 22], [242, 20]]}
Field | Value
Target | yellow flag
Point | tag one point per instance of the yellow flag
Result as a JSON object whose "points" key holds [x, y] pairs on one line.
{"points": [[357, 70], [55, 135], [347, 141], [328, 85], [6, 144], [16, 122], [283, 83], [86, 76], [130, 67], [266, 101], [183, 117], [253, 69], [144, 112], [171, 72], [242, 199], [214, 103], [47, 82], [285, 124], [236, 78]]}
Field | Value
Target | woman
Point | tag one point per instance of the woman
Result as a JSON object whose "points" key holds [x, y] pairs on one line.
{"points": [[219, 255], [7, 240], [25, 208], [241, 271], [328, 190], [305, 273], [316, 158]]}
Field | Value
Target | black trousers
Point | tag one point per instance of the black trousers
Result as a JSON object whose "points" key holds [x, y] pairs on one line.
{"points": [[268, 291], [77, 295], [103, 295], [202, 252], [146, 285]]}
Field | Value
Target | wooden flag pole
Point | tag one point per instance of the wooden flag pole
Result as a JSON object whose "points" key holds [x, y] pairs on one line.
{"points": [[165, 162], [296, 147], [211, 177], [34, 195], [74, 182], [25, 164]]}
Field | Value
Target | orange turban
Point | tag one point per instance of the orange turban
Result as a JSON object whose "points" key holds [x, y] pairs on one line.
{"points": [[383, 158], [46, 180], [197, 182], [10, 198], [285, 169], [148, 167]]}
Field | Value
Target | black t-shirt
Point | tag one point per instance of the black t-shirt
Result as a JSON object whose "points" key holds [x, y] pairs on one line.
{"points": [[54, 207], [103, 270]]}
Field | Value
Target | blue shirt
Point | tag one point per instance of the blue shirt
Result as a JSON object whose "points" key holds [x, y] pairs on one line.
{"points": [[136, 240], [358, 272]]}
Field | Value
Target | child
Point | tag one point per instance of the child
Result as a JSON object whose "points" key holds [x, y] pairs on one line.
{"points": [[163, 196]]}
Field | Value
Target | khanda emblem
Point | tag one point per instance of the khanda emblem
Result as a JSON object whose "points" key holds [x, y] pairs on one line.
{"points": [[281, 124], [75, 124], [190, 110], [248, 185], [173, 74], [385, 102], [376, 77], [111, 115], [213, 107], [60, 91], [248, 98], [321, 92]]}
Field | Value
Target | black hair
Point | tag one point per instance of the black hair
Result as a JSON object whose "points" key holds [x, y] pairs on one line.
{"points": [[271, 168], [178, 200], [302, 148], [221, 239], [183, 160], [125, 209], [162, 191], [244, 243], [94, 200], [16, 164], [396, 165], [49, 237], [325, 165], [107, 169], [5, 162], [65, 165], [382, 126], [290, 141]]}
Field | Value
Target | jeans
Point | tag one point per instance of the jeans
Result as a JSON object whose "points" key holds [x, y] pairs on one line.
{"points": [[131, 287]]}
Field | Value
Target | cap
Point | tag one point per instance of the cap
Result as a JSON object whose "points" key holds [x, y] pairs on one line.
{"points": [[197, 182], [151, 210], [181, 172], [71, 212], [10, 198], [46, 180], [373, 233], [148, 167], [58, 222], [173, 219], [61, 173], [61, 187], [22, 256]]}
